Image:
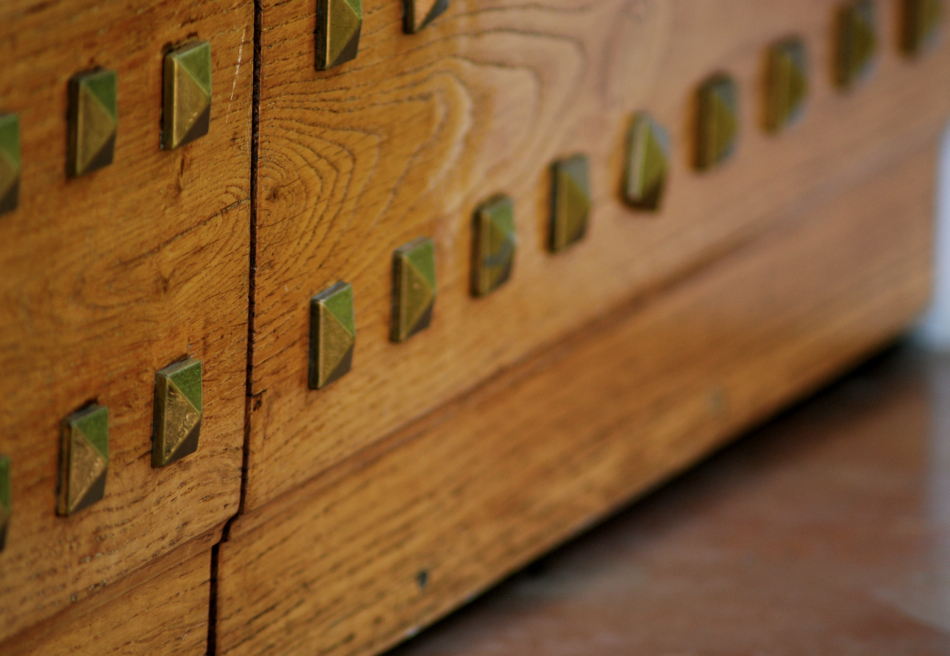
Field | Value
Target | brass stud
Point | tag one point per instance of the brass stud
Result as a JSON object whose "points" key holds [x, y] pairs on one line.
{"points": [[93, 121], [570, 202], [648, 156], [84, 459], [718, 122], [9, 162], [187, 94], [857, 43], [413, 288], [494, 243], [921, 25], [787, 84], [419, 13], [178, 412], [6, 501], [332, 334], [338, 31]]}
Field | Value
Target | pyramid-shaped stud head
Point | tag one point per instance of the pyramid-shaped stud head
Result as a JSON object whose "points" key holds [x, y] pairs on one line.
{"points": [[9, 162], [787, 84], [338, 31], [178, 411], [413, 288], [6, 500], [93, 121], [332, 334], [84, 459], [419, 13], [647, 163], [857, 43], [570, 202], [186, 94], [493, 244], [717, 127], [921, 25]]}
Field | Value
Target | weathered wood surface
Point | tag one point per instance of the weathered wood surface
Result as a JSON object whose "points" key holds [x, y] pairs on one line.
{"points": [[160, 609], [112, 276], [406, 140], [403, 532]]}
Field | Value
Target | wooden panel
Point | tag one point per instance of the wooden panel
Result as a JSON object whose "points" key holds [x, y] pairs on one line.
{"points": [[110, 277], [406, 530], [161, 609], [406, 140]]}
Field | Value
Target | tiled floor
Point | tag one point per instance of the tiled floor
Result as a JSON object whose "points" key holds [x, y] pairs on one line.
{"points": [[825, 532]]}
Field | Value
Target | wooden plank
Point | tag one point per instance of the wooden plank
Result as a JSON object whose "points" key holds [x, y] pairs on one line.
{"points": [[407, 139], [407, 530], [161, 609], [110, 277]]}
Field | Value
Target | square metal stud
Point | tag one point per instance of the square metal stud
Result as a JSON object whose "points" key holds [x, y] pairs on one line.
{"points": [[93, 121], [921, 25], [570, 202], [857, 43], [413, 288], [787, 84], [186, 95], [718, 122], [647, 166], [84, 459], [332, 334], [494, 243], [6, 501], [9, 162], [420, 13], [178, 412], [338, 31]]}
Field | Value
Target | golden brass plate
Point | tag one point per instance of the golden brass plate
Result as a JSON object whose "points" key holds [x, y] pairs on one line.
{"points": [[187, 94], [178, 412], [10, 164], [84, 459], [93, 121], [339, 23], [921, 25], [414, 288], [570, 202], [647, 164], [857, 43], [494, 243], [332, 334], [718, 122], [419, 13], [787, 84]]}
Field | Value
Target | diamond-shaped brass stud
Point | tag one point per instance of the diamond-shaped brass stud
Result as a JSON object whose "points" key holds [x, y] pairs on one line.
{"points": [[413, 288], [921, 24], [9, 162], [178, 411], [6, 502], [93, 121], [570, 202], [494, 243], [420, 13], [787, 84], [338, 31], [332, 334], [84, 459], [718, 122], [186, 95], [857, 42], [647, 166]]}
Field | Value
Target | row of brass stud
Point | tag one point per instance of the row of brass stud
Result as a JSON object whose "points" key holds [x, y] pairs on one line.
{"points": [[84, 441], [93, 117], [178, 410], [333, 326]]}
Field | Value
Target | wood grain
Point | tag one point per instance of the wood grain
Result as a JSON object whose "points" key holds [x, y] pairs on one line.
{"points": [[161, 609], [109, 278], [409, 138], [405, 531]]}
